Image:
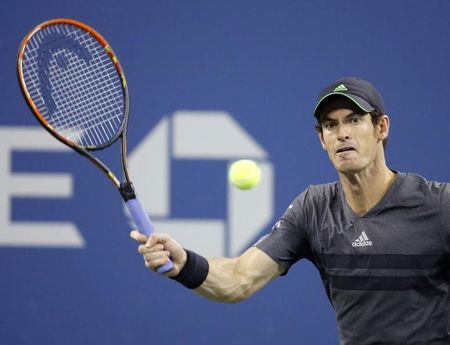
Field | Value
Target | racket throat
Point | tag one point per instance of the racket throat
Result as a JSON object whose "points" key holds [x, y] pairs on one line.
{"points": [[126, 189]]}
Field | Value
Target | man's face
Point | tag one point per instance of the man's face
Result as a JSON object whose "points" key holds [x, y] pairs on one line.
{"points": [[351, 140]]}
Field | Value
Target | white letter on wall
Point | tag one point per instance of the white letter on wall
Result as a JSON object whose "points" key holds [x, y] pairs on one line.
{"points": [[42, 185]]}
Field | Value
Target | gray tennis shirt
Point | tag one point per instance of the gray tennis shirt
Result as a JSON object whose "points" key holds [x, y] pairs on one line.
{"points": [[386, 273]]}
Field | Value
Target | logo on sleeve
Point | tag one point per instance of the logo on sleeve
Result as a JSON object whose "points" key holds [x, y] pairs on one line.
{"points": [[362, 241]]}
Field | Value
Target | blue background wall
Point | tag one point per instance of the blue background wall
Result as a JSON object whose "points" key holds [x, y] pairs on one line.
{"points": [[261, 61]]}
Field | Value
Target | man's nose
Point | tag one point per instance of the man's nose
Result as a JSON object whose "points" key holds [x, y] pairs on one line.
{"points": [[343, 132]]}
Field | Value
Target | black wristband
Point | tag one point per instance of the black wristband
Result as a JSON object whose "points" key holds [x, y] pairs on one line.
{"points": [[194, 271]]}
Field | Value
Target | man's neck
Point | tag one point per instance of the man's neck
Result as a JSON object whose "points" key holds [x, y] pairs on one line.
{"points": [[364, 189]]}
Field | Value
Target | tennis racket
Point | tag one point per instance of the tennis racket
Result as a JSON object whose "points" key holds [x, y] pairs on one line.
{"points": [[76, 88]]}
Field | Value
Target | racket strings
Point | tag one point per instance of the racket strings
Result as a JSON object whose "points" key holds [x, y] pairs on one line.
{"points": [[74, 84]]}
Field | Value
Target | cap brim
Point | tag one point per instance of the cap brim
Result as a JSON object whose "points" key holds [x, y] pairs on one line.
{"points": [[359, 102]]}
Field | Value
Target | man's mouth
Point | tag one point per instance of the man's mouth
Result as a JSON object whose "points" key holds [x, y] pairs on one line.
{"points": [[345, 149]]}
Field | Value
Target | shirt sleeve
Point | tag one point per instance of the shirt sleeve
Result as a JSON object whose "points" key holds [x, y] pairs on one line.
{"points": [[287, 242], [445, 213]]}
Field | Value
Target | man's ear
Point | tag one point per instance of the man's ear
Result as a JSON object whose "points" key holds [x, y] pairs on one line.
{"points": [[383, 126], [320, 135]]}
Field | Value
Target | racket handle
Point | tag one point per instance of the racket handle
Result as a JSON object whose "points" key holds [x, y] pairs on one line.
{"points": [[144, 224]]}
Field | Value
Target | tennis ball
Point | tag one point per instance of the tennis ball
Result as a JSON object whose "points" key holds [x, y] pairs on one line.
{"points": [[244, 174]]}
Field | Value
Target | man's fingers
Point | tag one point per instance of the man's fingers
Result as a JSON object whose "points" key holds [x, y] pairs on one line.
{"points": [[159, 249], [143, 249], [155, 260], [156, 255], [138, 236], [157, 238]]}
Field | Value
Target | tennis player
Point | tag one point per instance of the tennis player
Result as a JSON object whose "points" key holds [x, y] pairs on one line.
{"points": [[379, 238]]}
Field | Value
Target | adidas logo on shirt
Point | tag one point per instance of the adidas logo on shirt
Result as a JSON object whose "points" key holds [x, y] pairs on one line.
{"points": [[362, 241]]}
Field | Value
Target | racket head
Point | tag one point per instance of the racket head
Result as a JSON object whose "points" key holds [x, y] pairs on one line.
{"points": [[74, 83]]}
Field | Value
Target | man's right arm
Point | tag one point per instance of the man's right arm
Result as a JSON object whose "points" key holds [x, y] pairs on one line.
{"points": [[229, 279], [236, 279]]}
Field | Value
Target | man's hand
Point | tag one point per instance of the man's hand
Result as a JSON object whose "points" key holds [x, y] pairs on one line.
{"points": [[158, 248]]}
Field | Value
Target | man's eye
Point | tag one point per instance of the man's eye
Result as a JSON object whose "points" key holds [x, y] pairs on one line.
{"points": [[329, 125], [355, 120]]}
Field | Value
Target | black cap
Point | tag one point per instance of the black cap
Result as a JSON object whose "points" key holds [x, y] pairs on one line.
{"points": [[360, 91]]}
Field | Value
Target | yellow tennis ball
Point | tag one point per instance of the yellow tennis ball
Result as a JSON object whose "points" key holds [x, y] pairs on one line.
{"points": [[244, 174]]}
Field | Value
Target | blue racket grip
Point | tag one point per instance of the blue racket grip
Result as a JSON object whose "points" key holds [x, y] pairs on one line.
{"points": [[144, 224]]}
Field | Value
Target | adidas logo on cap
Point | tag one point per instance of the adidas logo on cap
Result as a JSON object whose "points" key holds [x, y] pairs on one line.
{"points": [[340, 88], [362, 241]]}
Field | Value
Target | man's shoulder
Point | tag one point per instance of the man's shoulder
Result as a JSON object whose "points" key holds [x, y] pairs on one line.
{"points": [[416, 181], [324, 189], [413, 189], [318, 193]]}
